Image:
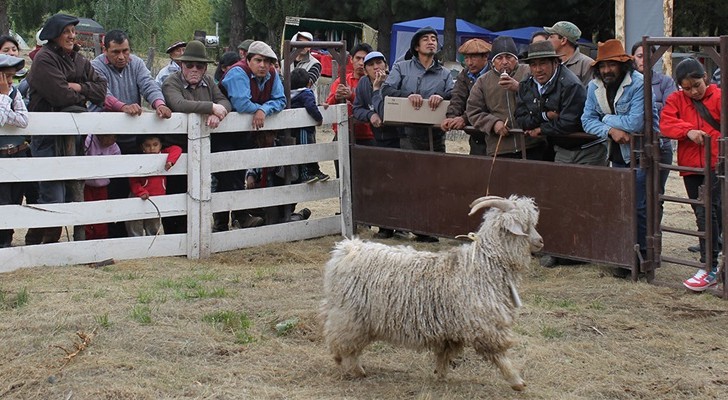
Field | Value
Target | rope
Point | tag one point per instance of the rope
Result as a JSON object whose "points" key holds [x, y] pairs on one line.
{"points": [[159, 228]]}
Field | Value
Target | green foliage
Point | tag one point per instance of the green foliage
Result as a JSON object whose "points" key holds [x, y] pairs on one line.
{"points": [[272, 13], [21, 298], [550, 332], [103, 320], [142, 20], [142, 314], [236, 323], [189, 16]]}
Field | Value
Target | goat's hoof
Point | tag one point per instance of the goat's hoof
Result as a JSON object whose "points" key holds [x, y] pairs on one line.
{"points": [[519, 386]]}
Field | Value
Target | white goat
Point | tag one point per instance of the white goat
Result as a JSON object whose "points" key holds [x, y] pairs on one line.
{"points": [[444, 301]]}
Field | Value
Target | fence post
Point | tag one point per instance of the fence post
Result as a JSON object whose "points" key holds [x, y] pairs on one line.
{"points": [[199, 223], [347, 221]]}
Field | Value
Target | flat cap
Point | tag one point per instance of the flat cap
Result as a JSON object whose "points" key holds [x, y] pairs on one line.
{"points": [[475, 46], [261, 48], [175, 45], [302, 35], [54, 26], [245, 44], [8, 61]]}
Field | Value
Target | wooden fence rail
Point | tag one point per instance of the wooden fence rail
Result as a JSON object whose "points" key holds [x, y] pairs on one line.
{"points": [[197, 204]]}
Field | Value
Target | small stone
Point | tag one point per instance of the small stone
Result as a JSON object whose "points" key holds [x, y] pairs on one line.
{"points": [[52, 379]]}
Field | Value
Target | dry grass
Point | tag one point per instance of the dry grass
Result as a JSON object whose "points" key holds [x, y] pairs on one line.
{"points": [[178, 328]]}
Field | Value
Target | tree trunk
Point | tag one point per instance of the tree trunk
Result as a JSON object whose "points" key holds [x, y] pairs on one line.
{"points": [[238, 21], [384, 35], [4, 22], [449, 47]]}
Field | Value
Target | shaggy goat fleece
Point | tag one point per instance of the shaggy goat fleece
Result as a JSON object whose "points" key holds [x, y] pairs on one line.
{"points": [[423, 300]]}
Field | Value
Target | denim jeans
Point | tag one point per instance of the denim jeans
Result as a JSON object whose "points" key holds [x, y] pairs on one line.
{"points": [[640, 203]]}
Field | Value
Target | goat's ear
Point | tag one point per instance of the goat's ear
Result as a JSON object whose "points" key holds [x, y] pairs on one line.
{"points": [[514, 227]]}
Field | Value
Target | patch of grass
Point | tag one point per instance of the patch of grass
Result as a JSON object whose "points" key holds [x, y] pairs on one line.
{"points": [[142, 314], [103, 320], [596, 305], [555, 303], [236, 323], [2, 299], [190, 282], [129, 276], [550, 332], [99, 293], [207, 276], [21, 298], [145, 296], [167, 283], [261, 273]]}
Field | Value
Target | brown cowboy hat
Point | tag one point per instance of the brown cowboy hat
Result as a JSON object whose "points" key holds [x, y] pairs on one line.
{"points": [[611, 50]]}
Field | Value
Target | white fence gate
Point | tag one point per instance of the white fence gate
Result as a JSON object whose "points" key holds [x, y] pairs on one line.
{"points": [[198, 203]]}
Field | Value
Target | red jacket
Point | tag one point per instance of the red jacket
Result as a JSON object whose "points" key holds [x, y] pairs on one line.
{"points": [[154, 185], [680, 116], [362, 130]]}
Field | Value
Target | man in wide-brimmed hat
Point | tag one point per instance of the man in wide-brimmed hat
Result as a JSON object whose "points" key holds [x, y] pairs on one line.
{"points": [[175, 50], [564, 35], [550, 104], [191, 90], [614, 110], [475, 54], [491, 106]]}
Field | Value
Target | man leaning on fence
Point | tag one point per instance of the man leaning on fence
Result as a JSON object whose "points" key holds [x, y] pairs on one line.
{"points": [[192, 90], [475, 53], [425, 82], [615, 110], [61, 80]]}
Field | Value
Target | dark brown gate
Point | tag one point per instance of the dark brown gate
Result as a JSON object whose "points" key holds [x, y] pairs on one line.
{"points": [[587, 213]]}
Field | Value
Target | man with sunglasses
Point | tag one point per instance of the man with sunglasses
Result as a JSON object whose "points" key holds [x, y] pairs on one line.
{"points": [[191, 90]]}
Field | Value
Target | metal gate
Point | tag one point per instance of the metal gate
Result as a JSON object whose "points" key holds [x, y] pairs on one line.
{"points": [[651, 161], [587, 213]]}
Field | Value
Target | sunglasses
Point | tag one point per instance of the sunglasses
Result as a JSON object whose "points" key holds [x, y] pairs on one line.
{"points": [[195, 65]]}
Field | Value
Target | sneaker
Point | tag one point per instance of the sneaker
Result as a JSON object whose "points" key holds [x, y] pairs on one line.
{"points": [[249, 221], [322, 177], [309, 178], [701, 280]]}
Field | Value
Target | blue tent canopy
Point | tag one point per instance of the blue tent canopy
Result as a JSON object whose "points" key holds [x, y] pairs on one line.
{"points": [[402, 33]]}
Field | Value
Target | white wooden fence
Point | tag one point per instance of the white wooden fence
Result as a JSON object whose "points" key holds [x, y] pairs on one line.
{"points": [[198, 203]]}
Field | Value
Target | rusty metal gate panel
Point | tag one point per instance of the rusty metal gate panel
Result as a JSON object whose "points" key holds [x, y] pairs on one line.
{"points": [[587, 212]]}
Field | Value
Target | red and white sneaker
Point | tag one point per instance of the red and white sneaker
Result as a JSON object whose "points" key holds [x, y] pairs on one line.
{"points": [[701, 280]]}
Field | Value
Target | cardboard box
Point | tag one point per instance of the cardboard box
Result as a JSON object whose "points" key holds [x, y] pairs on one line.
{"points": [[399, 109]]}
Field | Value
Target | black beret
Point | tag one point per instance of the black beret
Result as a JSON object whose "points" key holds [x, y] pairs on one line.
{"points": [[54, 26]]}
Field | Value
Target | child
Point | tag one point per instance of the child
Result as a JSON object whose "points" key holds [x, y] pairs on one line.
{"points": [[144, 187], [302, 97], [682, 119], [97, 189], [14, 113]]}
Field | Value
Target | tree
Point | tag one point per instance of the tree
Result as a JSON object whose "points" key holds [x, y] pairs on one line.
{"points": [[4, 21], [238, 22], [142, 20], [191, 16], [272, 13]]}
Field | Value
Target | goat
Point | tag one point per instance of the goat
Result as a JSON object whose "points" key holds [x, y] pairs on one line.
{"points": [[442, 301]]}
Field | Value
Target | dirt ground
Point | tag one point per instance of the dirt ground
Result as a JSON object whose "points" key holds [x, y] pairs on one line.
{"points": [[242, 325]]}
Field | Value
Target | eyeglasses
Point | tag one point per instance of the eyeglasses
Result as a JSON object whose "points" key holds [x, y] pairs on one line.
{"points": [[195, 65]]}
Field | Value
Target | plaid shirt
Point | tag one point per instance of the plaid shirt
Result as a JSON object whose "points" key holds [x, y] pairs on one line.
{"points": [[13, 111]]}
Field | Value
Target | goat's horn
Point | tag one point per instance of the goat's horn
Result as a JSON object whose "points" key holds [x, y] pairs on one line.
{"points": [[484, 198], [503, 204]]}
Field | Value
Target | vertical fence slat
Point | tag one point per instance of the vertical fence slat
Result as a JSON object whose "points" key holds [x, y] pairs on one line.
{"points": [[347, 222], [199, 223]]}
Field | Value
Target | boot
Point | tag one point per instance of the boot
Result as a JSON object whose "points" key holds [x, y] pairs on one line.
{"points": [[34, 236], [52, 235]]}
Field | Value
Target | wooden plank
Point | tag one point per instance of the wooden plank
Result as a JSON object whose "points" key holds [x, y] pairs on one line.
{"points": [[247, 199], [86, 167], [291, 118], [199, 224], [89, 251], [299, 230], [347, 218], [68, 214], [272, 156], [43, 123]]}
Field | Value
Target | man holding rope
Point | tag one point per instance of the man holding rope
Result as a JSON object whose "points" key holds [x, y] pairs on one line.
{"points": [[492, 104]]}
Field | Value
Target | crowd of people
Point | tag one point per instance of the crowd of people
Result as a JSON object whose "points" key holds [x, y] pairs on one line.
{"points": [[555, 104]]}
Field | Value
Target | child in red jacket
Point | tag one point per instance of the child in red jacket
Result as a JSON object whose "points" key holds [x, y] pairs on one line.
{"points": [[681, 120], [145, 186]]}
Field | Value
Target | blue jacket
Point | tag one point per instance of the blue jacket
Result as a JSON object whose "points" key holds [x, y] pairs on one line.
{"points": [[237, 84], [628, 116]]}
